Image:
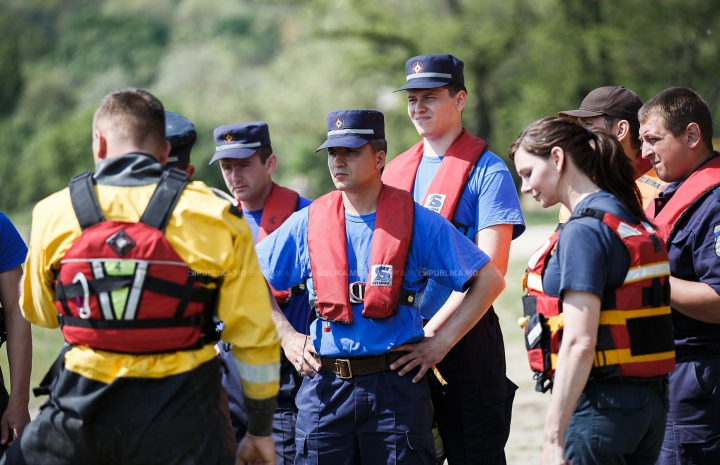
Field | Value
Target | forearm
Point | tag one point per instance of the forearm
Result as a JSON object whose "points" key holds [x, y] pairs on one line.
{"points": [[695, 300], [19, 350], [260, 415], [442, 316]]}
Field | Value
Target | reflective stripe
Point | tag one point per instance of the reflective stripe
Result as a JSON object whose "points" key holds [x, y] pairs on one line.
{"points": [[103, 297], [259, 374], [625, 230], [90, 260], [618, 356], [219, 148], [538, 253], [648, 271], [620, 317], [136, 290], [534, 282], [429, 75], [650, 182], [172, 159], [339, 132]]}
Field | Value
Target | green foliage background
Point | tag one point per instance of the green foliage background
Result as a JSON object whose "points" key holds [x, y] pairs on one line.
{"points": [[289, 62]]}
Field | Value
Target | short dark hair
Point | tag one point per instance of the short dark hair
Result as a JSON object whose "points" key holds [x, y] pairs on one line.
{"points": [[378, 145], [454, 88], [610, 121], [264, 153], [132, 114], [677, 107]]}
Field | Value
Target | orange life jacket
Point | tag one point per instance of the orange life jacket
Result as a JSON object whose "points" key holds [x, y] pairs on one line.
{"points": [[635, 333], [693, 189], [449, 182], [327, 245], [280, 204]]}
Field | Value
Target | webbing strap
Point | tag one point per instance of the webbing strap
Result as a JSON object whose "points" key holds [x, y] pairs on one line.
{"points": [[195, 320], [156, 285], [163, 201], [84, 201]]}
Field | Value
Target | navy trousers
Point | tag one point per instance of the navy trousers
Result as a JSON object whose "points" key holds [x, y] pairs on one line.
{"points": [[692, 434], [374, 419], [618, 423], [473, 411]]}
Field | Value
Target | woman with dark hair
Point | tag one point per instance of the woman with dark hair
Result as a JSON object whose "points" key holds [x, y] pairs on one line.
{"points": [[597, 317]]}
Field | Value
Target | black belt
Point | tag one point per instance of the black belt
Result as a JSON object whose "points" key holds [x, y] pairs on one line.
{"points": [[346, 368]]}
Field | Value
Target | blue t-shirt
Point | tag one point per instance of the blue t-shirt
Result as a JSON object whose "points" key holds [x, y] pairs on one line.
{"points": [[13, 249], [694, 254], [489, 199], [297, 309], [437, 252], [589, 256]]}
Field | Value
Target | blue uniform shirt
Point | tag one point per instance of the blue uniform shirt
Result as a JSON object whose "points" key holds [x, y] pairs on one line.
{"points": [[604, 258], [694, 253], [489, 199], [297, 309], [13, 250], [437, 252]]}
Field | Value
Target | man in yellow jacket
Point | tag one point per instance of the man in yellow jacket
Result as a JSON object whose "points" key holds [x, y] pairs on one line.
{"points": [[139, 381]]}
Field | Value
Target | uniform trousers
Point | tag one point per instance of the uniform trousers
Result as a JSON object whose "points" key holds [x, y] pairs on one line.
{"points": [[374, 419]]}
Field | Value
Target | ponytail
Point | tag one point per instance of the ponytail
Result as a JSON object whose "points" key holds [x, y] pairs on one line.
{"points": [[596, 153]]}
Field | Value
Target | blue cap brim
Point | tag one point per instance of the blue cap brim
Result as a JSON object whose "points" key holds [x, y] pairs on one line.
{"points": [[350, 141], [421, 84], [238, 153]]}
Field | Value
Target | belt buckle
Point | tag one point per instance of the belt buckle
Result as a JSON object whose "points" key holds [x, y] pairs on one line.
{"points": [[356, 292], [343, 369]]}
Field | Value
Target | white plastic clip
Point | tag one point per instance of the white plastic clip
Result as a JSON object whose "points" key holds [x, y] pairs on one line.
{"points": [[83, 311]]}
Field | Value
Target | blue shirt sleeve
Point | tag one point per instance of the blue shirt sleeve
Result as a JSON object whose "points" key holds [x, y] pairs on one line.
{"points": [[704, 232], [283, 256], [13, 250]]}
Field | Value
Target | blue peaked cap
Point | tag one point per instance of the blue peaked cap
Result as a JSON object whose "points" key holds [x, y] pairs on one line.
{"points": [[240, 140], [431, 71], [353, 128]]}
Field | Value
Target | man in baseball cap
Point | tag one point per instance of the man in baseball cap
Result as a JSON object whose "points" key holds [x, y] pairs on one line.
{"points": [[247, 163], [370, 251], [454, 173], [615, 109]]}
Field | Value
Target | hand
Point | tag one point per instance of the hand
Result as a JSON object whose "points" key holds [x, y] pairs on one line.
{"points": [[256, 450], [425, 354], [554, 454], [13, 421], [299, 350]]}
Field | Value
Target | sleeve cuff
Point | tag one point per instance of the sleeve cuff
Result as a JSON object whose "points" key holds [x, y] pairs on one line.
{"points": [[260, 415]]}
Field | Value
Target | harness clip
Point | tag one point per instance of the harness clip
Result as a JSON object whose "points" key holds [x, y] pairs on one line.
{"points": [[83, 311], [357, 292]]}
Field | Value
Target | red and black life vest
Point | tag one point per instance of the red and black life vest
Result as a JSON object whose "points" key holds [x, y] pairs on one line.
{"points": [[121, 287], [327, 245], [635, 334], [448, 183], [281, 203], [693, 189]]}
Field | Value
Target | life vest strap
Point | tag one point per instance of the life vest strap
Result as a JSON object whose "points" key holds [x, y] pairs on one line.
{"points": [[84, 201], [150, 323], [164, 198]]}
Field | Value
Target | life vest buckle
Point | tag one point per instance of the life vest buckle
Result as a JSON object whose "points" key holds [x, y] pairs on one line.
{"points": [[356, 292]]}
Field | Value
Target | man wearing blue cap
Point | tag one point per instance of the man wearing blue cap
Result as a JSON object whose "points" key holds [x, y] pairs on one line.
{"points": [[367, 252], [247, 163], [181, 134], [453, 173]]}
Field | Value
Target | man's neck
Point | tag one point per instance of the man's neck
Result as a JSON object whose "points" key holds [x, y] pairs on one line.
{"points": [[437, 146], [362, 201], [257, 202]]}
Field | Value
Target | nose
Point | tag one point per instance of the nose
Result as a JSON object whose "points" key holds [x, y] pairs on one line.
{"points": [[236, 175], [646, 151], [525, 188]]}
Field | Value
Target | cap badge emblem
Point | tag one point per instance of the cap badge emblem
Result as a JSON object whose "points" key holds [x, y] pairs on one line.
{"points": [[417, 67], [228, 138], [338, 123]]}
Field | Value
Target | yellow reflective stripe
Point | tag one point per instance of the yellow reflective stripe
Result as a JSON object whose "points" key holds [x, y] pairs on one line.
{"points": [[647, 271], [620, 317], [622, 356], [534, 282]]}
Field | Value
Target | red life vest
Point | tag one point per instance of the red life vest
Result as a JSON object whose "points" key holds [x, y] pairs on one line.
{"points": [[327, 245], [635, 333], [280, 204], [693, 189], [121, 287], [449, 182]]}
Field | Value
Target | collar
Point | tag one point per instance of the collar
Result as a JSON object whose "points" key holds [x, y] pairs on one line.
{"points": [[129, 170]]}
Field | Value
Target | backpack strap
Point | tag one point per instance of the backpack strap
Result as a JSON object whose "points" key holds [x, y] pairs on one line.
{"points": [[163, 201], [84, 201]]}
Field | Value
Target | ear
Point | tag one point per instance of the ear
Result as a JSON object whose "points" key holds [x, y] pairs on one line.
{"points": [[557, 155], [164, 152], [693, 135], [99, 146], [380, 162], [271, 164], [460, 100], [622, 130], [190, 170]]}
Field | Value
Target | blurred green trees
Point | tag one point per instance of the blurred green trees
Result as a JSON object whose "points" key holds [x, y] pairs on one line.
{"points": [[289, 62]]}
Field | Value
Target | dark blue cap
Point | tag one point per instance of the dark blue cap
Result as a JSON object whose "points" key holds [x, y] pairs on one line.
{"points": [[353, 128], [181, 134], [240, 140], [431, 71]]}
